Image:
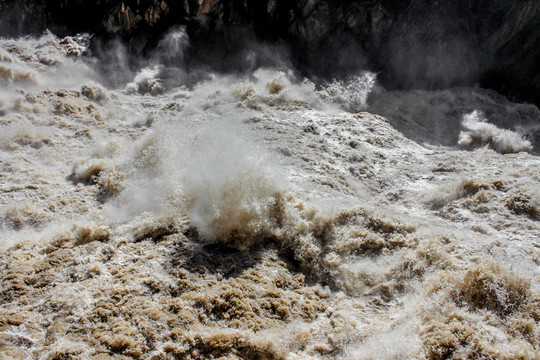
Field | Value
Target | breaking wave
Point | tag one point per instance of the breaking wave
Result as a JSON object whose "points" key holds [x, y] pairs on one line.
{"points": [[479, 132]]}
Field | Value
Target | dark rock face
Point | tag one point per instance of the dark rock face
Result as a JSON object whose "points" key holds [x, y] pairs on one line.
{"points": [[411, 43]]}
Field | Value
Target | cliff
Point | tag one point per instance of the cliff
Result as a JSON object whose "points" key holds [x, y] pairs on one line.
{"points": [[411, 43]]}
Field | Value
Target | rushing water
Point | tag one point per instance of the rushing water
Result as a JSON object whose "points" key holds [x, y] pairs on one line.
{"points": [[184, 214]]}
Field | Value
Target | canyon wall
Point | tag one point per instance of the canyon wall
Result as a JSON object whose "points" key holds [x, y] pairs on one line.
{"points": [[411, 44]]}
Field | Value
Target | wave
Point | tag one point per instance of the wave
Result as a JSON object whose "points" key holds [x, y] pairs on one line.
{"points": [[260, 215]]}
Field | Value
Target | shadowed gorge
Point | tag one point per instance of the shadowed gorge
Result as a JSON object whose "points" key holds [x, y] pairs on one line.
{"points": [[413, 44]]}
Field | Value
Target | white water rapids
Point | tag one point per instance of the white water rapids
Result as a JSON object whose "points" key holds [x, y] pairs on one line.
{"points": [[260, 216]]}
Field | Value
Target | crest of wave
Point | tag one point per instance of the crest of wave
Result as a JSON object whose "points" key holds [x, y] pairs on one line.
{"points": [[226, 184], [481, 133], [146, 81], [271, 88], [351, 93], [229, 185]]}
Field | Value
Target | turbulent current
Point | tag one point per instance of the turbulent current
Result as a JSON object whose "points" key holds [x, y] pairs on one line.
{"points": [[190, 215]]}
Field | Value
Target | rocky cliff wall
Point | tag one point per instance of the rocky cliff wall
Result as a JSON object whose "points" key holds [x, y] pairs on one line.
{"points": [[411, 43]]}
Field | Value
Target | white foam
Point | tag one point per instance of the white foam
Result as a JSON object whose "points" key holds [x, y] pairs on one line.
{"points": [[224, 181], [480, 133], [401, 342], [146, 81], [351, 93]]}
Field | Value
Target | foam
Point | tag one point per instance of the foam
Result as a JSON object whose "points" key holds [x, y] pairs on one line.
{"points": [[436, 117], [94, 92], [232, 193], [39, 63], [447, 193], [24, 133], [146, 82], [89, 171], [227, 195], [278, 89], [16, 76], [351, 94], [480, 308], [248, 217], [17, 217], [481, 133], [401, 342]]}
